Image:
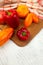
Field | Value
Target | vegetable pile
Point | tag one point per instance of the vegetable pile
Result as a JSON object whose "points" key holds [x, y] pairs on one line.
{"points": [[12, 18]]}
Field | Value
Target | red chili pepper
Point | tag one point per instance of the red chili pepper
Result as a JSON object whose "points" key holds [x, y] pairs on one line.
{"points": [[23, 34], [12, 18]]}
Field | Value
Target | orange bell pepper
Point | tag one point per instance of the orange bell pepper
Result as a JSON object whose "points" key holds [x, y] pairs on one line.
{"points": [[35, 18], [22, 10], [5, 35], [28, 20]]}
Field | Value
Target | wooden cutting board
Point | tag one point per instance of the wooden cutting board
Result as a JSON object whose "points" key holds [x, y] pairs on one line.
{"points": [[34, 29]]}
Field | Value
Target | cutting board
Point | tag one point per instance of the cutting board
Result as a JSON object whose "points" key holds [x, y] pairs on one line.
{"points": [[34, 29]]}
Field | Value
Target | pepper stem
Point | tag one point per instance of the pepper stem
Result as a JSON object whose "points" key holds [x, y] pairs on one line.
{"points": [[8, 13], [24, 33]]}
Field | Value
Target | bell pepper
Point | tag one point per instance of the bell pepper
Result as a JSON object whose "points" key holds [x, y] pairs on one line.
{"points": [[23, 34], [5, 35], [12, 18], [2, 13]]}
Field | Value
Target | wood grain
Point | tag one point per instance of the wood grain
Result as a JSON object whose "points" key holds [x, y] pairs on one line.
{"points": [[34, 29]]}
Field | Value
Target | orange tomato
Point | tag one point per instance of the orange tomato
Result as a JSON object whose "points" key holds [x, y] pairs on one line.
{"points": [[28, 20], [22, 10]]}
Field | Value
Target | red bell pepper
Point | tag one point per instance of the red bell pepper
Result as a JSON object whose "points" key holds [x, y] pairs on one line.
{"points": [[12, 18], [2, 13], [23, 34]]}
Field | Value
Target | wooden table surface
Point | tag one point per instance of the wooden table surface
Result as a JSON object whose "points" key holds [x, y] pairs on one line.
{"points": [[34, 29]]}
